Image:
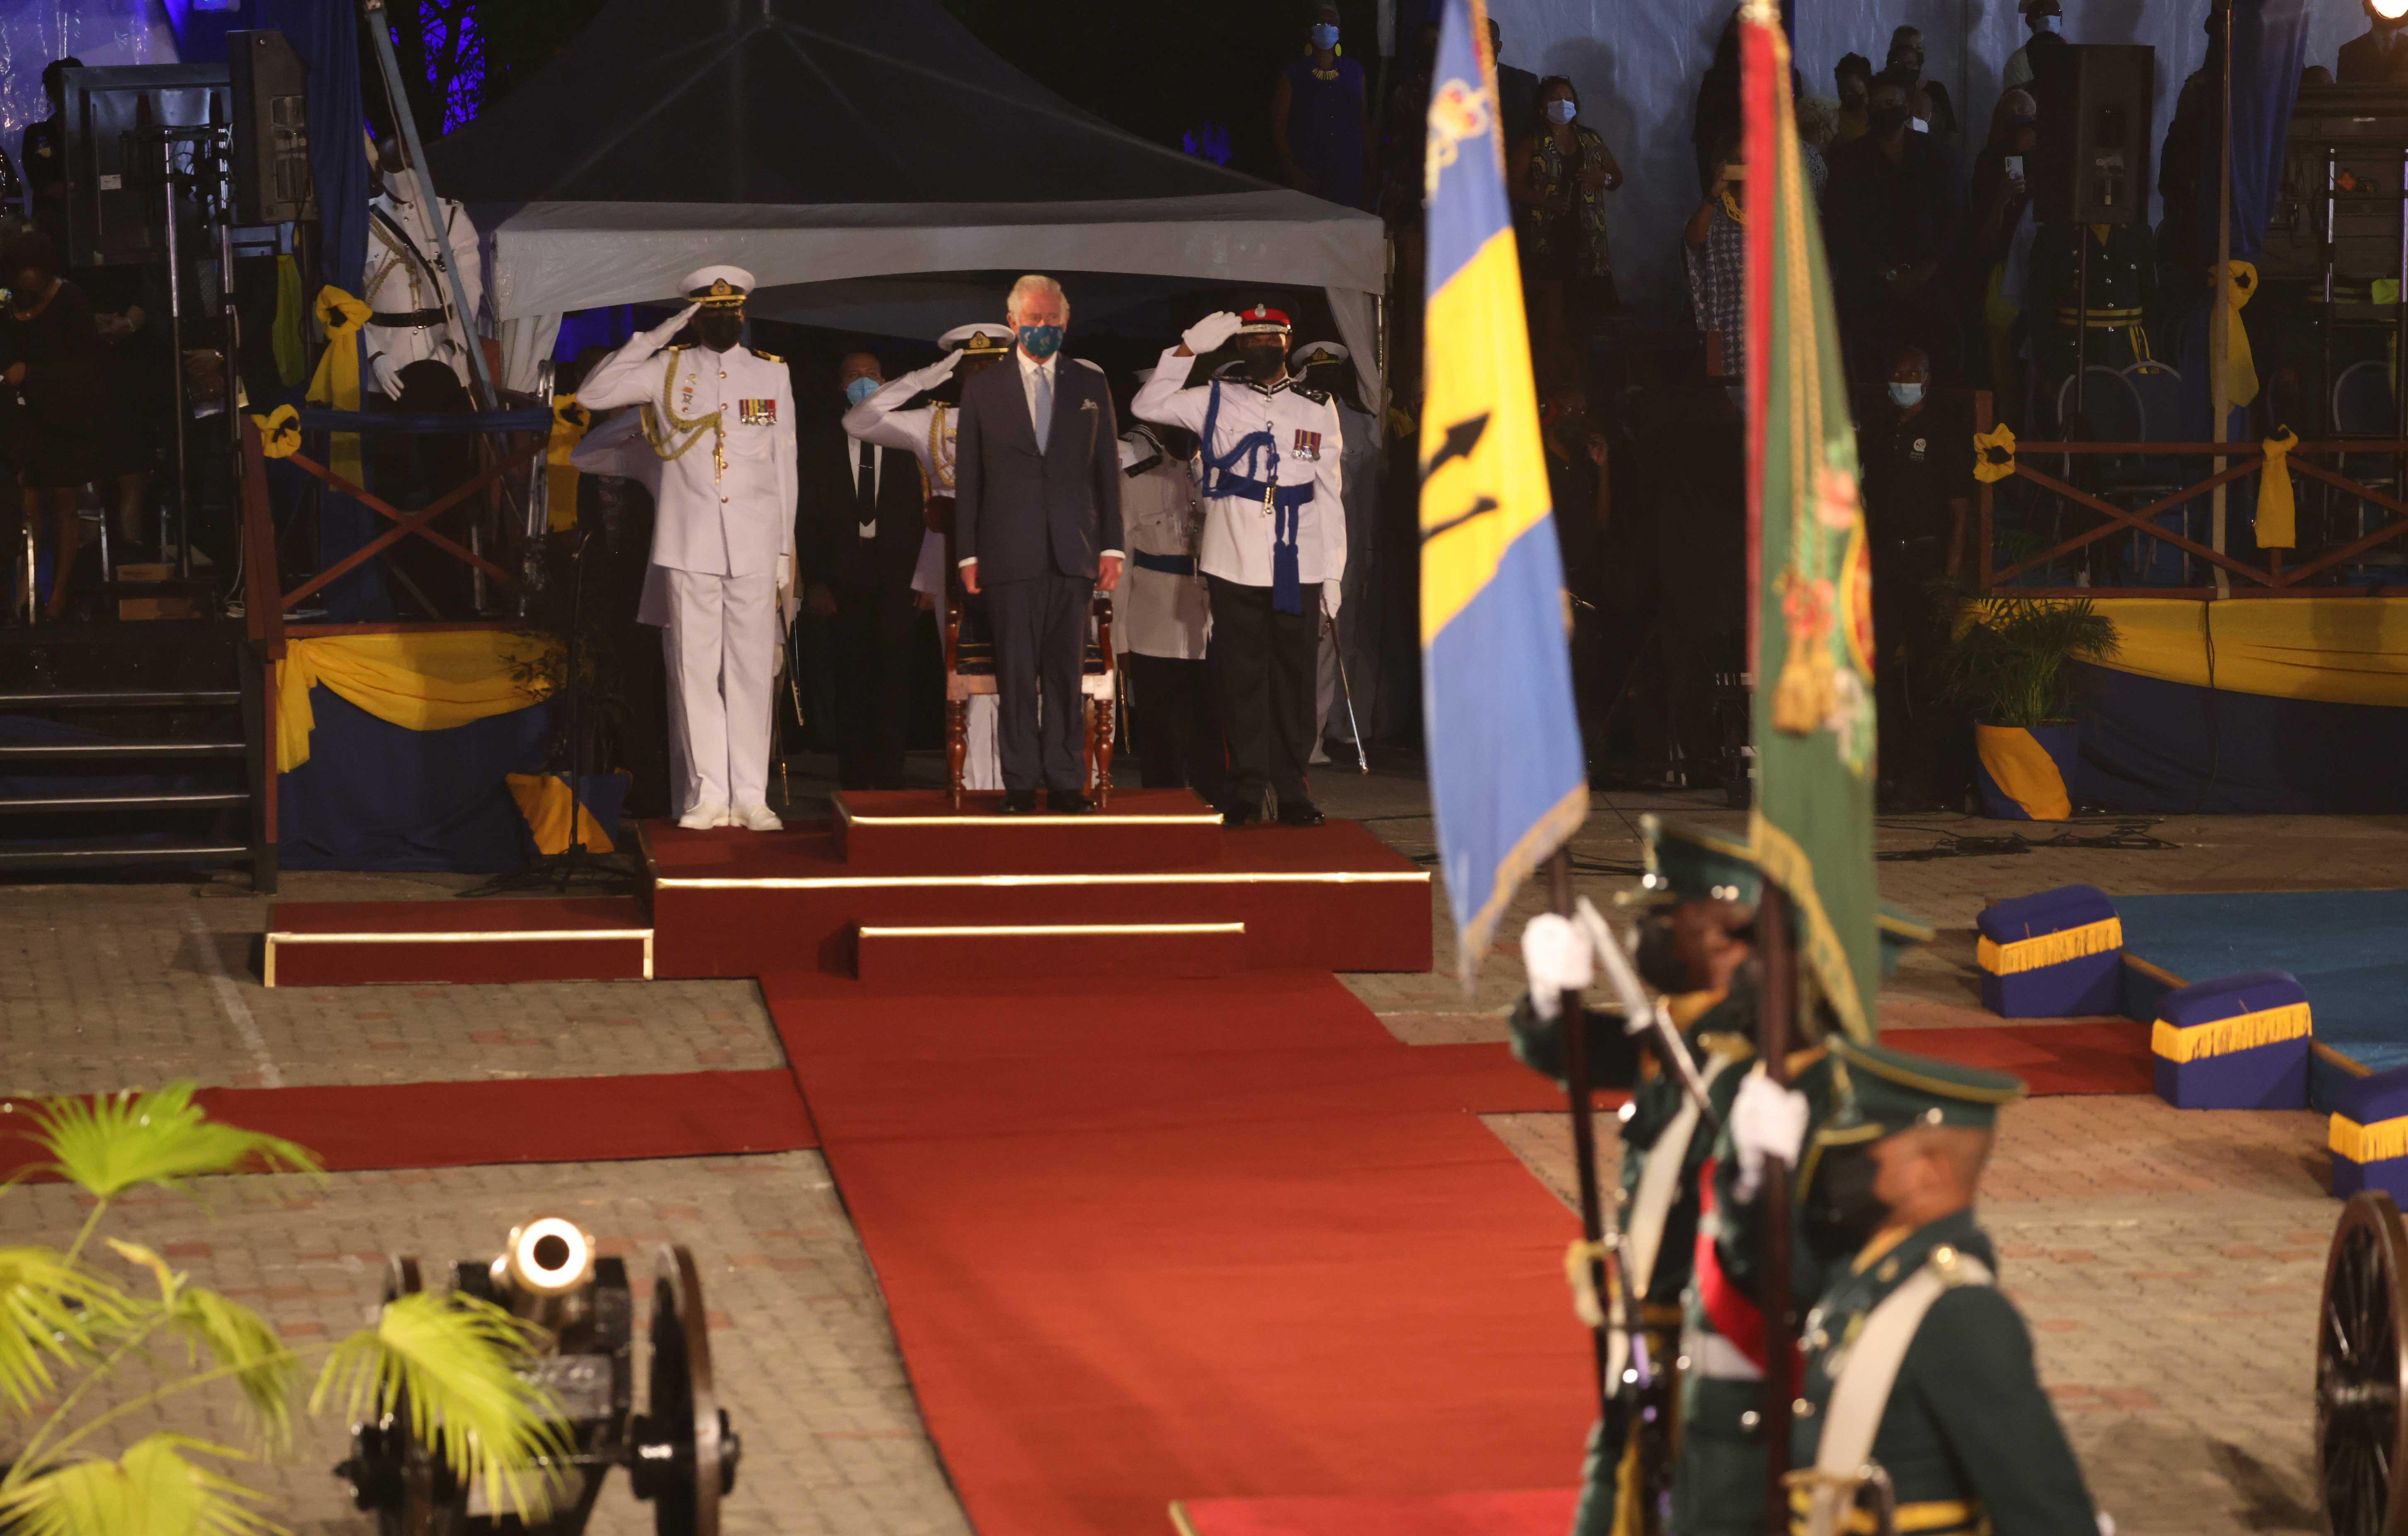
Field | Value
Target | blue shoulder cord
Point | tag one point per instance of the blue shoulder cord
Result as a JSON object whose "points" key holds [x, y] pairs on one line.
{"points": [[1287, 502]]}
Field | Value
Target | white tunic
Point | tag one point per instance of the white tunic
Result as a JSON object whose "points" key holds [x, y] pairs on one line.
{"points": [[1158, 612], [724, 423], [1308, 440], [402, 279]]}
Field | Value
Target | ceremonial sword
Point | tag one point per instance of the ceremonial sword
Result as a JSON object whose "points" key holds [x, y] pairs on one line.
{"points": [[1644, 1017], [1362, 758]]}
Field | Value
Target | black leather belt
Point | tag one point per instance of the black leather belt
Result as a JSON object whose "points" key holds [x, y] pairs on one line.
{"points": [[408, 320]]}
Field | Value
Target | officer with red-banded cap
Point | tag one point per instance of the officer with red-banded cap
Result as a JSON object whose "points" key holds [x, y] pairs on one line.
{"points": [[1273, 549]]}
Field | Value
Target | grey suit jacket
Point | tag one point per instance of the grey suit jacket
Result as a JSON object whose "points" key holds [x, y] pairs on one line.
{"points": [[1020, 513]]}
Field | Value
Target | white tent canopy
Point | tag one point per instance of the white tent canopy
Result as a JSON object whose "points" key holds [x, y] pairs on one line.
{"points": [[544, 259]]}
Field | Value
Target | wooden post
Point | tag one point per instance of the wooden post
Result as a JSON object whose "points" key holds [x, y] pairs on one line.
{"points": [[1778, 1003]]}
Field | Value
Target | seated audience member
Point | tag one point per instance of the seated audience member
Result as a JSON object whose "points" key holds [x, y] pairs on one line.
{"points": [[1714, 250], [1854, 75], [1887, 221], [2380, 55]]}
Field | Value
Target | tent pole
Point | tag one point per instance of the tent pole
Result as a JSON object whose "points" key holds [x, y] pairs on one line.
{"points": [[488, 398], [2221, 319]]}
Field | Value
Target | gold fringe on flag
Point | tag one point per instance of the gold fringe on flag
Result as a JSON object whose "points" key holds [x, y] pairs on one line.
{"points": [[2376, 1143], [2051, 949], [2241, 1032]]}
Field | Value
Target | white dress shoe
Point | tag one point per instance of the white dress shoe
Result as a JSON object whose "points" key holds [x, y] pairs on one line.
{"points": [[756, 818], [702, 818]]}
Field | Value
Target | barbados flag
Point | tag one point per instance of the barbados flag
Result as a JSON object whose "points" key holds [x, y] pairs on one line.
{"points": [[1506, 780]]}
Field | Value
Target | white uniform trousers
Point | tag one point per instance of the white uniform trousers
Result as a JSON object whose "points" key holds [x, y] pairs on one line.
{"points": [[723, 640]]}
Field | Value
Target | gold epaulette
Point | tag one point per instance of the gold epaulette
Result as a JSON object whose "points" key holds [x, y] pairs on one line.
{"points": [[681, 346], [766, 357]]}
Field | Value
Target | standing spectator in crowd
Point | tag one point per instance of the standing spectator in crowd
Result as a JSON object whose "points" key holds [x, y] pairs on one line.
{"points": [[43, 150], [1320, 119], [1854, 75], [50, 361], [2316, 76], [1918, 490], [1561, 174], [128, 304], [1818, 124], [1998, 246], [1717, 118], [1888, 219], [856, 539], [1581, 492], [1931, 100], [1161, 614], [1404, 139], [1714, 248], [2046, 18], [2380, 56], [1517, 89]]}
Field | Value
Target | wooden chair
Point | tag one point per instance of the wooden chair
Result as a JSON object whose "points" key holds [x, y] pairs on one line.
{"points": [[969, 671]]}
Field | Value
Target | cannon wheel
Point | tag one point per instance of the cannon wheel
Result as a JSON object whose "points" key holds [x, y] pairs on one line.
{"points": [[682, 1405], [2362, 1372]]}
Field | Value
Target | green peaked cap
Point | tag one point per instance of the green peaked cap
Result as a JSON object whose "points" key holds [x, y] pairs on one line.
{"points": [[1684, 864], [1896, 1091]]}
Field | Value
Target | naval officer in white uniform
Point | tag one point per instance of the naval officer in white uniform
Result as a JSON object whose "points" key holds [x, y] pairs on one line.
{"points": [[1274, 545], [720, 417]]}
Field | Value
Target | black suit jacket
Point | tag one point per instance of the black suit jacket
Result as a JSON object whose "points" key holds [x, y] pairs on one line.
{"points": [[2364, 62], [1022, 514], [828, 531]]}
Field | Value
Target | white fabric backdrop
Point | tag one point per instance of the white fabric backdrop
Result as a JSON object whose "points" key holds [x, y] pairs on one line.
{"points": [[98, 32], [1637, 64]]}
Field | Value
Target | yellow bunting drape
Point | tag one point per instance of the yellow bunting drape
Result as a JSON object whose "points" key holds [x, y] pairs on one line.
{"points": [[569, 421], [2275, 514], [291, 344], [2024, 771], [1994, 452], [425, 680], [544, 800], [2239, 367], [2336, 650], [280, 432], [337, 383]]}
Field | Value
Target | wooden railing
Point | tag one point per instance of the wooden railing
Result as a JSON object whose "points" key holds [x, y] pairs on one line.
{"points": [[2273, 578]]}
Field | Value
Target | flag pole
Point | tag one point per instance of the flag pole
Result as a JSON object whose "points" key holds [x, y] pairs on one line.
{"points": [[1778, 1004]]}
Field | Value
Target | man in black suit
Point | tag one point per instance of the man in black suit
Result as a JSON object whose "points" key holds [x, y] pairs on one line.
{"points": [[2380, 57], [858, 536], [1037, 528]]}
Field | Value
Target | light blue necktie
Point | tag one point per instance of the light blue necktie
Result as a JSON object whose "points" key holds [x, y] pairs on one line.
{"points": [[1044, 407]]}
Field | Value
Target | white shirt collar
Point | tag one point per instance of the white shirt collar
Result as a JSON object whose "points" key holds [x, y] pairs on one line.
{"points": [[1030, 365]]}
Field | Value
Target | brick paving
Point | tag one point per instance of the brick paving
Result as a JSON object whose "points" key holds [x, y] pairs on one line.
{"points": [[2169, 1262]]}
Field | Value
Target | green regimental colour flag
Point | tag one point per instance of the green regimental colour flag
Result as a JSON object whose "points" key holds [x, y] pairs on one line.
{"points": [[1507, 783], [1809, 571]]}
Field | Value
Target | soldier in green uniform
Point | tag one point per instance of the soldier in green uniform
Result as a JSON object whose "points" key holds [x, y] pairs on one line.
{"points": [[2123, 271], [1696, 947], [1920, 1410]]}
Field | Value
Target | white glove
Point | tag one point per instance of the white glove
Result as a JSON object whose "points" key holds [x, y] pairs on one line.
{"points": [[1556, 954], [936, 372], [1330, 597], [659, 335], [1209, 334], [1765, 1121]]}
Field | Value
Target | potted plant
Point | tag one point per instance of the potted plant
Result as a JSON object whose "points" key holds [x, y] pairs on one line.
{"points": [[2007, 664], [72, 1320]]}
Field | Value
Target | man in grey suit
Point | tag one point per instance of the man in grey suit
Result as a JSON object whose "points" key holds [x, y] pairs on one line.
{"points": [[1037, 528]]}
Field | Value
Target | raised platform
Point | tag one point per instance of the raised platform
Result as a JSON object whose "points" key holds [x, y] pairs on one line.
{"points": [[898, 886], [353, 943]]}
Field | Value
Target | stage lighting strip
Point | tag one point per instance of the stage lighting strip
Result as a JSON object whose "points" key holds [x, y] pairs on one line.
{"points": [[833, 883], [514, 936], [1048, 931]]}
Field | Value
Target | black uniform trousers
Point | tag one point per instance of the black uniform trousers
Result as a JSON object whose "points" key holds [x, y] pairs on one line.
{"points": [[873, 683], [1264, 666], [1040, 644], [1178, 742]]}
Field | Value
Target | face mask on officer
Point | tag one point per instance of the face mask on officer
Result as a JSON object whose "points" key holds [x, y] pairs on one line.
{"points": [[719, 329], [1562, 109], [1903, 394], [1263, 360], [1841, 1213]]}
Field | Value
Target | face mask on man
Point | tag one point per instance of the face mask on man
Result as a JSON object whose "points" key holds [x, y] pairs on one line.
{"points": [[2048, 23], [718, 329], [1562, 109], [1325, 36], [1261, 364], [1041, 341], [1905, 393], [1886, 121], [1841, 1213], [861, 389]]}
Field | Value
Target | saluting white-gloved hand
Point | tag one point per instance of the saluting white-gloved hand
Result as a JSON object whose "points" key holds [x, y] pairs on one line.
{"points": [[660, 334], [936, 372], [1766, 1121], [1556, 954], [1209, 334]]}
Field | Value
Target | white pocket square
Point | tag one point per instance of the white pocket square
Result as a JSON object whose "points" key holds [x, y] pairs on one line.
{"points": [[1086, 404]]}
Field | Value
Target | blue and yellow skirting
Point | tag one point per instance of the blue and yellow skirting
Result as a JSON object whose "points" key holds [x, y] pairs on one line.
{"points": [[2051, 955], [2025, 773], [2237, 1042], [2369, 1135]]}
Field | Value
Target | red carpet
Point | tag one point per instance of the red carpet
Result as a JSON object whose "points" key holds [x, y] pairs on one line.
{"points": [[526, 1120], [1193, 1240], [2079, 1056], [1543, 1513]]}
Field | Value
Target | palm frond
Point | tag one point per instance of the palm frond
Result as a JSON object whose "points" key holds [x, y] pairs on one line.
{"points": [[2007, 662], [110, 1143], [235, 1337], [50, 1308], [454, 1364], [152, 1489]]}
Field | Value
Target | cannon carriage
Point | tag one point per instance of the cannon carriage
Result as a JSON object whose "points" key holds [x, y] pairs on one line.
{"points": [[680, 1452]]}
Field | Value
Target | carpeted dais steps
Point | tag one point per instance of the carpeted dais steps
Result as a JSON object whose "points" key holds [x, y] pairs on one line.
{"points": [[359, 944]]}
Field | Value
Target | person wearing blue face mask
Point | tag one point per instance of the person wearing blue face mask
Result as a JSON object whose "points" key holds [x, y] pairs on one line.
{"points": [[2046, 18], [859, 530], [1919, 496], [1321, 119]]}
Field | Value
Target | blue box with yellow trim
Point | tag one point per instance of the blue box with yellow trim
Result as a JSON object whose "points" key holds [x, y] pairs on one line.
{"points": [[2237, 1042], [2368, 1133], [2051, 955]]}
